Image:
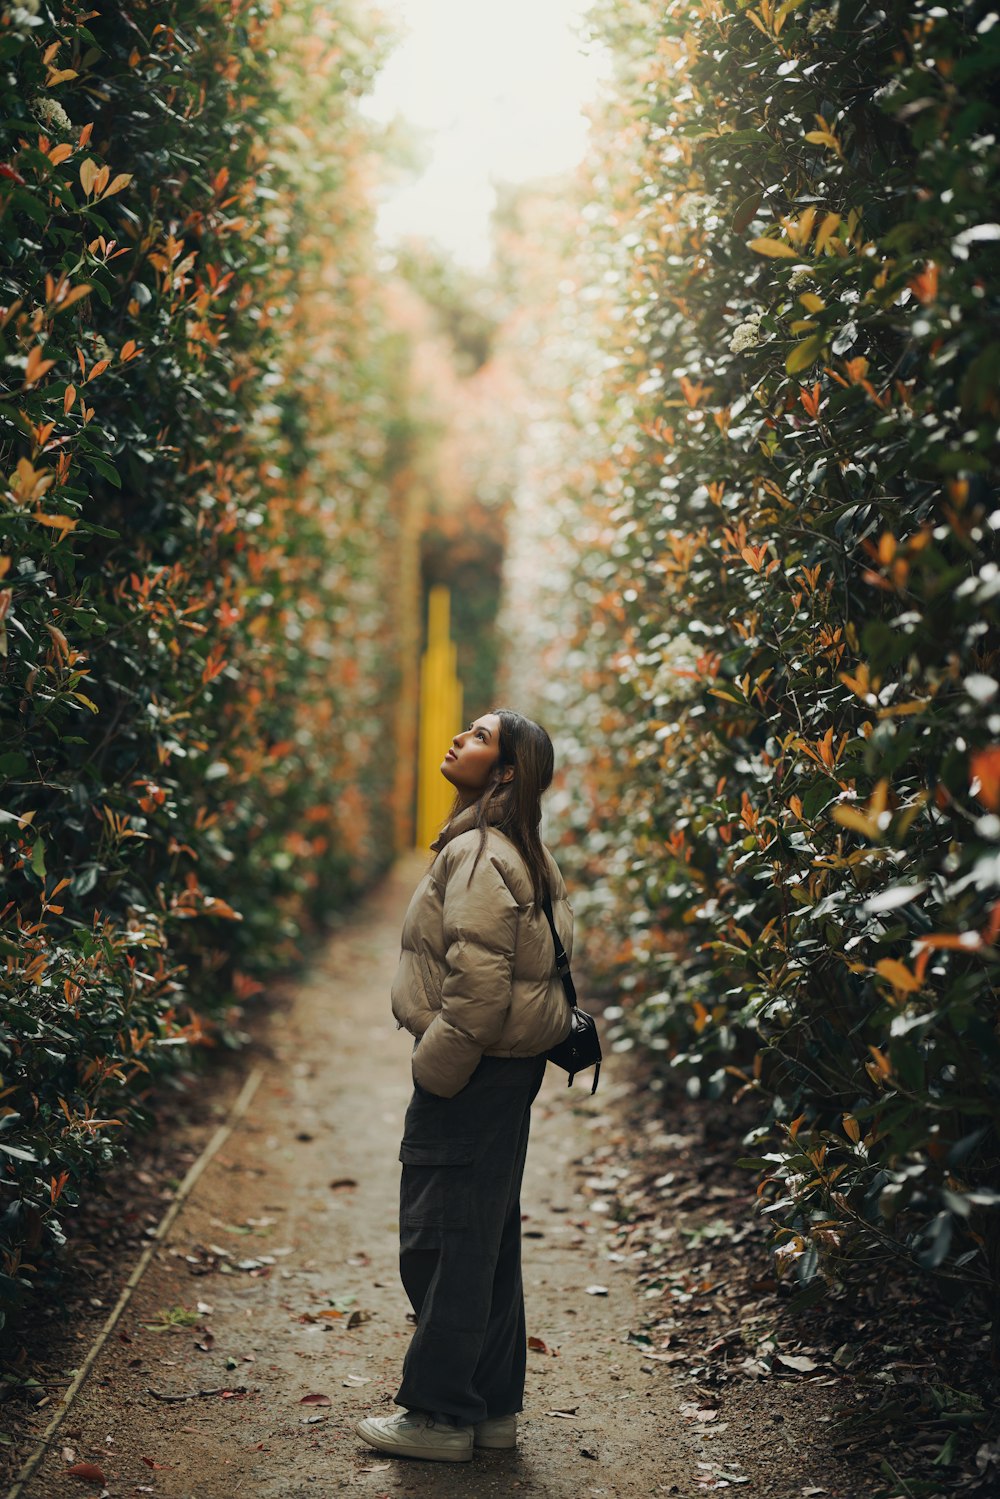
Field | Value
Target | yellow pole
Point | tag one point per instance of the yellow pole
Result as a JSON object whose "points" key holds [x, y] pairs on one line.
{"points": [[440, 716]]}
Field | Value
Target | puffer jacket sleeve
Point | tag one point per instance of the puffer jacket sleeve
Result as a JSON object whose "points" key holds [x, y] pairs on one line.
{"points": [[480, 933]]}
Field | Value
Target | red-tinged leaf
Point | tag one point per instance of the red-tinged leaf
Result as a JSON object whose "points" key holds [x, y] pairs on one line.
{"points": [[538, 1345], [315, 1400], [98, 369], [151, 1464], [11, 174], [89, 1472]]}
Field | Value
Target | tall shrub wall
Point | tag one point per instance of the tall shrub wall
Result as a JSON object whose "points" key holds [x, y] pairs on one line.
{"points": [[193, 596], [795, 593]]}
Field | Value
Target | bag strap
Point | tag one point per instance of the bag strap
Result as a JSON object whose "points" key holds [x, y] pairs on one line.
{"points": [[562, 961]]}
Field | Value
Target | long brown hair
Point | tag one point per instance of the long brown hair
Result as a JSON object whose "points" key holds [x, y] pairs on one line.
{"points": [[513, 803]]}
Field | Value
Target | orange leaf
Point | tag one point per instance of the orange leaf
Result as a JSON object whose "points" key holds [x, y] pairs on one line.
{"points": [[898, 975], [122, 180], [36, 366], [985, 768], [90, 1471], [57, 522], [98, 369], [58, 154], [89, 173]]}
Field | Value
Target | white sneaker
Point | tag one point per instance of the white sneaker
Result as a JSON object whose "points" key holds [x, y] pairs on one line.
{"points": [[417, 1434], [501, 1431]]}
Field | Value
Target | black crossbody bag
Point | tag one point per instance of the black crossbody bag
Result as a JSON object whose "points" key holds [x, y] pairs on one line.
{"points": [[582, 1047]]}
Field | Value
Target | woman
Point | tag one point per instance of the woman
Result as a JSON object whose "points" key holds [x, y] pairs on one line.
{"points": [[477, 987]]}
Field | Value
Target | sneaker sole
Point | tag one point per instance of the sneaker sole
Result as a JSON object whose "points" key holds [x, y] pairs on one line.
{"points": [[489, 1446], [395, 1450]]}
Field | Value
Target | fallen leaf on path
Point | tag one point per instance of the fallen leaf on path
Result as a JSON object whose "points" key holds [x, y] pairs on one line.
{"points": [[538, 1345], [313, 1420], [88, 1471], [344, 1184], [355, 1381], [692, 1412], [566, 1415], [360, 1260], [597, 1290], [586, 1452], [151, 1464], [375, 1468], [315, 1400], [798, 1362], [208, 1341], [357, 1318]]}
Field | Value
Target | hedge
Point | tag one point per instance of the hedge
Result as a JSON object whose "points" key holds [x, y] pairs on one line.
{"points": [[790, 555], [198, 640]]}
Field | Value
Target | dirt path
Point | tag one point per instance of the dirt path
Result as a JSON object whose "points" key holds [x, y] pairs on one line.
{"points": [[295, 1218]]}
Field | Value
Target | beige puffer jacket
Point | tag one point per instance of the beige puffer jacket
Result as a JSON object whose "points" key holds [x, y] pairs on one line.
{"points": [[477, 969]]}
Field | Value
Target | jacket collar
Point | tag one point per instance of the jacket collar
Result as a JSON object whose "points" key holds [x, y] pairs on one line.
{"points": [[463, 822]]}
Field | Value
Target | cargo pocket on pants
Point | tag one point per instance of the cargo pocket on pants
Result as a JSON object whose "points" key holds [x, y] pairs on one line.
{"points": [[436, 1186]]}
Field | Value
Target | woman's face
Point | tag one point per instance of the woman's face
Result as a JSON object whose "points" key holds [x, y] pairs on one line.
{"points": [[473, 754]]}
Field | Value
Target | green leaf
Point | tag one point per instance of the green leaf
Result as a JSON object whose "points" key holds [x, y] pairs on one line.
{"points": [[805, 353]]}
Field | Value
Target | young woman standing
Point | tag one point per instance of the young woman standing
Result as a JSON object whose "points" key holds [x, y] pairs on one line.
{"points": [[477, 987]]}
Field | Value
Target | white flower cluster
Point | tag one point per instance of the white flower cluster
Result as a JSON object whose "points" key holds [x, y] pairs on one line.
{"points": [[747, 335], [821, 20], [51, 116], [799, 277], [22, 16], [676, 674]]}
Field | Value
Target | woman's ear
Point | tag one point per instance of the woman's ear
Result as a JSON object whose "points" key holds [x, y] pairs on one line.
{"points": [[507, 776]]}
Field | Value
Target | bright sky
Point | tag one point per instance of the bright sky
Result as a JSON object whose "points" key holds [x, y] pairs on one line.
{"points": [[496, 88]]}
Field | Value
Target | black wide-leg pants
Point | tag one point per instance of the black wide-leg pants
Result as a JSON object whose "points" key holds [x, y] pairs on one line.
{"points": [[460, 1242]]}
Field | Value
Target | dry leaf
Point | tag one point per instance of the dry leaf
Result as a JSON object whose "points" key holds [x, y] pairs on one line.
{"points": [[315, 1400], [88, 1471]]}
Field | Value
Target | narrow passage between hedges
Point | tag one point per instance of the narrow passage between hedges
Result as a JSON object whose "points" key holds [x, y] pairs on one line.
{"points": [[278, 1282]]}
